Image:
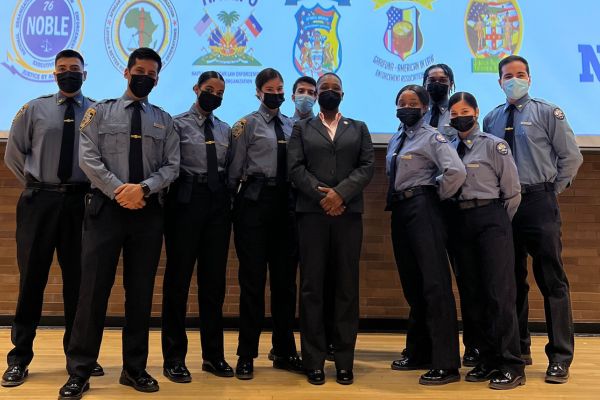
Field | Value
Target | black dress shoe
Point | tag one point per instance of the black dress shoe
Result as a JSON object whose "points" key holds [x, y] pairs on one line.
{"points": [[330, 356], [141, 381], [291, 363], [74, 388], [14, 375], [177, 373], [407, 363], [315, 376], [97, 370], [244, 369], [503, 380], [527, 358], [557, 373], [218, 368], [344, 377], [271, 355], [480, 373], [471, 357], [439, 377]]}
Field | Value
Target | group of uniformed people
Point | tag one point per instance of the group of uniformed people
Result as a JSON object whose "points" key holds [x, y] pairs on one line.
{"points": [[293, 190]]}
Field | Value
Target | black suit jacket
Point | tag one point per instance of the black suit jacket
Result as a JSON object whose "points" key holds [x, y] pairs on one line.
{"points": [[345, 164]]}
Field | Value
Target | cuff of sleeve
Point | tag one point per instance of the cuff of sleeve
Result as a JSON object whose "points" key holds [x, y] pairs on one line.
{"points": [[109, 189]]}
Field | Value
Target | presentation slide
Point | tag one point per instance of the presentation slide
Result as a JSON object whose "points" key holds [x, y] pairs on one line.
{"points": [[375, 46]]}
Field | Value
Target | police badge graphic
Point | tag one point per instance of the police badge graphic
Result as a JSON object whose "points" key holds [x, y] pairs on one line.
{"points": [[131, 24], [494, 30], [39, 30]]}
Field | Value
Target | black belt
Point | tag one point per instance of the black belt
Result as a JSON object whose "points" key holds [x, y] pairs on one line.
{"points": [[538, 187], [199, 179], [475, 203], [412, 192], [263, 180], [59, 187]]}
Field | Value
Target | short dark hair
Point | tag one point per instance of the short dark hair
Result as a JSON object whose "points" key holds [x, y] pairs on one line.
{"points": [[329, 74], [68, 53], [419, 90], [144, 53], [510, 59], [444, 67], [304, 79], [209, 75], [460, 96], [265, 76]]}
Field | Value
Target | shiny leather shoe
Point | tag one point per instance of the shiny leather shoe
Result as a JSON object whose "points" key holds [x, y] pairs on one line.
{"points": [[557, 373], [527, 358], [142, 381], [439, 377], [406, 363], [14, 375], [344, 377], [97, 370], [471, 357], [74, 388], [504, 380], [218, 368], [480, 373], [330, 356], [291, 363], [177, 373], [315, 376], [244, 369]]}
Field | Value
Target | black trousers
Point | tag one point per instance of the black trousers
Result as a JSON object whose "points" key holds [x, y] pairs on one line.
{"points": [[108, 228], [263, 240], [329, 246], [485, 262], [46, 221], [419, 239], [536, 230], [195, 232]]}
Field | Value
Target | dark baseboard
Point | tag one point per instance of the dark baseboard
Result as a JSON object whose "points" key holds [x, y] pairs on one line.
{"points": [[385, 325]]}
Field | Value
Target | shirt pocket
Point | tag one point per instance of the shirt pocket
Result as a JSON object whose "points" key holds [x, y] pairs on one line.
{"points": [[222, 149], [112, 138], [154, 143]]}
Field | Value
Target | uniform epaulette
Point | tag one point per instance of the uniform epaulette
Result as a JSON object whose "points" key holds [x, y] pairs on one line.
{"points": [[90, 99], [45, 96]]}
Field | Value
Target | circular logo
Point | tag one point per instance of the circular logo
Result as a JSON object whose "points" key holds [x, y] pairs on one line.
{"points": [[39, 30], [140, 23]]}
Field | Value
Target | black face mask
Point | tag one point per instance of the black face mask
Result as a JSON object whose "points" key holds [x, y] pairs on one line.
{"points": [[409, 115], [438, 91], [141, 85], [330, 100], [463, 124], [273, 100], [69, 81], [208, 101]]}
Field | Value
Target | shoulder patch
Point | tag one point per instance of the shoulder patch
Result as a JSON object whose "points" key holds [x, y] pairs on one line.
{"points": [[441, 138], [559, 114], [502, 148], [238, 128], [20, 113], [87, 118]]}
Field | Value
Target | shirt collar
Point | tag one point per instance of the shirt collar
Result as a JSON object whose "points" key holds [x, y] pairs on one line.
{"points": [[442, 105], [268, 114], [338, 117], [128, 100], [298, 116], [471, 138], [199, 116], [520, 104], [61, 98], [410, 132]]}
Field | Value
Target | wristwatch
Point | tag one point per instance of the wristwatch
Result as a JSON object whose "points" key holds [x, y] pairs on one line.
{"points": [[145, 189]]}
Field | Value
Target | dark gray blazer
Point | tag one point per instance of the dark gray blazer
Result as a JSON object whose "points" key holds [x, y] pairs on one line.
{"points": [[345, 164]]}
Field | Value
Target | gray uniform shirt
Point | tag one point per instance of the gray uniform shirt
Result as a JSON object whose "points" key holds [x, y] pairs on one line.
{"points": [[545, 147], [104, 145], [426, 158], [296, 117], [491, 170], [444, 121], [190, 128], [254, 145], [35, 138]]}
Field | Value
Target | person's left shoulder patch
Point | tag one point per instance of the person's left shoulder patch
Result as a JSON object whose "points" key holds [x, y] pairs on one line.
{"points": [[559, 114], [238, 128], [441, 138], [20, 113], [502, 148], [87, 118]]}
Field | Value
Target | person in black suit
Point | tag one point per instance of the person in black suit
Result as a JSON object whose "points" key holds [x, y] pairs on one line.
{"points": [[330, 160]]}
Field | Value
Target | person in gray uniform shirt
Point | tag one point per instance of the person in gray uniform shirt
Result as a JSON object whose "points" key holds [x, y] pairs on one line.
{"points": [[130, 152], [547, 158], [483, 246], [42, 152], [438, 80]]}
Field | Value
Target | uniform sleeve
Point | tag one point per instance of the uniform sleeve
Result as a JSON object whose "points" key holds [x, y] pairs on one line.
{"points": [[360, 177], [303, 180], [239, 148], [508, 177], [453, 170], [19, 142], [564, 145], [169, 170], [487, 121], [90, 158]]}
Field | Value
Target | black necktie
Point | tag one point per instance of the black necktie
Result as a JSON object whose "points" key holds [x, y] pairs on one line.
{"points": [[393, 170], [281, 152], [136, 165], [212, 166], [65, 162], [435, 116], [509, 130], [461, 149]]}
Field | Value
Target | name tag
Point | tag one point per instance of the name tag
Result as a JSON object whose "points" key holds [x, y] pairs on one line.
{"points": [[159, 126], [472, 165], [526, 123], [406, 157]]}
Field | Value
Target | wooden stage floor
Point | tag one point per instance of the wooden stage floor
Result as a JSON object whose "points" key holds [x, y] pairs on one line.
{"points": [[373, 377]]}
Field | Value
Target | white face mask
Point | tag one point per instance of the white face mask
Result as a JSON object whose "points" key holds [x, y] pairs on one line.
{"points": [[515, 88]]}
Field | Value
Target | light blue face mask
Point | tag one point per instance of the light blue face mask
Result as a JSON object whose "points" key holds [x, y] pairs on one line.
{"points": [[304, 103], [515, 88]]}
